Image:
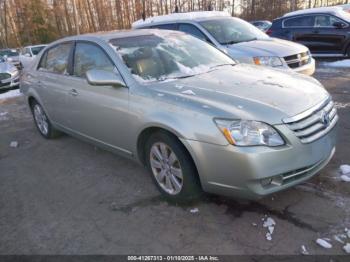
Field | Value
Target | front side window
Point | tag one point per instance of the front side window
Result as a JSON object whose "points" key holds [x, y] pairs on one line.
{"points": [[326, 21], [231, 30], [173, 55], [55, 60], [89, 56], [303, 21], [192, 30]]}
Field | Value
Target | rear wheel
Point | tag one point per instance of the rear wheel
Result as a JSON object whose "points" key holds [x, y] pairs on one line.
{"points": [[42, 122], [172, 168]]}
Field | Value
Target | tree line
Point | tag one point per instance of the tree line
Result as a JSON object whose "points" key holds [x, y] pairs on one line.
{"points": [[25, 22]]}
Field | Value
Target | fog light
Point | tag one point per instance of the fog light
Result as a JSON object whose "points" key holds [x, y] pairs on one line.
{"points": [[277, 181], [266, 181]]}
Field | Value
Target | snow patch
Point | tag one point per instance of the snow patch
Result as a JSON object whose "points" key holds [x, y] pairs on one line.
{"points": [[304, 251], [188, 92], [339, 105], [345, 178], [14, 144], [323, 243], [341, 63], [346, 248], [269, 223], [345, 169], [3, 116], [10, 94], [194, 210]]}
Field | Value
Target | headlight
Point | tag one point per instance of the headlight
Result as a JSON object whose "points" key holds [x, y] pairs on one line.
{"points": [[249, 133], [273, 61], [9, 59]]}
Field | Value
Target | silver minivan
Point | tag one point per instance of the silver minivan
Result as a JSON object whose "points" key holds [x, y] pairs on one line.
{"points": [[239, 39], [189, 113]]}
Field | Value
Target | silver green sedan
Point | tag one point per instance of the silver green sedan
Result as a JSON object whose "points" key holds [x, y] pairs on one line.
{"points": [[197, 120]]}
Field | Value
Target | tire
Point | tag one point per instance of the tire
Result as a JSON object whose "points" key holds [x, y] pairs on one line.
{"points": [[42, 122], [172, 168]]}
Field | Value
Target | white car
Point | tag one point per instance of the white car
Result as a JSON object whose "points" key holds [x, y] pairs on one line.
{"points": [[9, 75], [29, 53], [237, 38]]}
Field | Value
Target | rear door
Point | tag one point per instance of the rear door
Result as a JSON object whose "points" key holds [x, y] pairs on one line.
{"points": [[53, 81], [328, 38], [100, 113]]}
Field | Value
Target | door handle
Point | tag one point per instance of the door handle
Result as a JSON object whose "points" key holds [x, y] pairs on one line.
{"points": [[316, 31], [73, 92]]}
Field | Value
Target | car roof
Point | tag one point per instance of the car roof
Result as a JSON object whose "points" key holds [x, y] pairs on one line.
{"points": [[108, 35], [189, 16], [335, 10]]}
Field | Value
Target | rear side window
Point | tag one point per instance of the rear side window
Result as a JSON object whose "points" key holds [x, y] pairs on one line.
{"points": [[166, 26], [192, 30], [89, 56], [326, 21], [303, 21], [55, 59]]}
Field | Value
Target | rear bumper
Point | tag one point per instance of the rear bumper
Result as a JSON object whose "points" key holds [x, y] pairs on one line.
{"points": [[239, 171]]}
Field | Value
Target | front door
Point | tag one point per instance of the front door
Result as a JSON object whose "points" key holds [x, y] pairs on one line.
{"points": [[100, 113]]}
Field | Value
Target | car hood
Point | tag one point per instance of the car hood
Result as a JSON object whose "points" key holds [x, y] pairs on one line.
{"points": [[245, 92], [266, 47]]}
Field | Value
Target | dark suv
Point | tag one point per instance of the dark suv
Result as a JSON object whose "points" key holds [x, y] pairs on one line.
{"points": [[325, 31]]}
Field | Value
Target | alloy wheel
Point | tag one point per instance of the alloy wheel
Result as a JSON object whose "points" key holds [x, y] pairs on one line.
{"points": [[166, 168]]}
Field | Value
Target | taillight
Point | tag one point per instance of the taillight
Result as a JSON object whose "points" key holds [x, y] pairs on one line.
{"points": [[269, 32]]}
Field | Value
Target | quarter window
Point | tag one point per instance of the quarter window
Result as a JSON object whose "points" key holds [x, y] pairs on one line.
{"points": [[304, 21], [55, 60], [89, 56], [166, 26]]}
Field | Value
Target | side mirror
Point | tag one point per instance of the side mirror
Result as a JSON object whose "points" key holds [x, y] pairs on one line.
{"points": [[339, 25], [27, 55], [104, 78]]}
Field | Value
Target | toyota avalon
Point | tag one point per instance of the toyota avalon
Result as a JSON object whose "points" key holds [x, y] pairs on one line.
{"points": [[197, 120]]}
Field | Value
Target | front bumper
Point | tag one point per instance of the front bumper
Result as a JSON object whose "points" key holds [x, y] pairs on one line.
{"points": [[308, 69], [239, 171], [9, 83]]}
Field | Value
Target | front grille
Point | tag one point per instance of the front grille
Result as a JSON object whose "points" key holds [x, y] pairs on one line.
{"points": [[313, 123], [4, 76], [298, 60]]}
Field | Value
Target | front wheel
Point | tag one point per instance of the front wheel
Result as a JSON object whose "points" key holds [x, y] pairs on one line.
{"points": [[172, 168]]}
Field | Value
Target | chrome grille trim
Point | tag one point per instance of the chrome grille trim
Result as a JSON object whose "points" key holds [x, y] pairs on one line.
{"points": [[315, 122], [297, 60]]}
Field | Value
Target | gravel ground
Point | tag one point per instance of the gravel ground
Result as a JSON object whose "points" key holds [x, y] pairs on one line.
{"points": [[65, 196]]}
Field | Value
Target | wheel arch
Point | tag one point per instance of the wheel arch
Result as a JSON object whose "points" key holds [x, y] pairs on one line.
{"points": [[148, 131]]}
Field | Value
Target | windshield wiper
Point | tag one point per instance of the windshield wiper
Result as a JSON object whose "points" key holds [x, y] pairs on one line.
{"points": [[250, 40], [222, 65], [174, 77], [230, 43]]}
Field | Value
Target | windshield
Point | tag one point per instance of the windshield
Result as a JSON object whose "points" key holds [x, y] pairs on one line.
{"points": [[8, 53], [232, 30], [37, 49], [157, 58]]}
